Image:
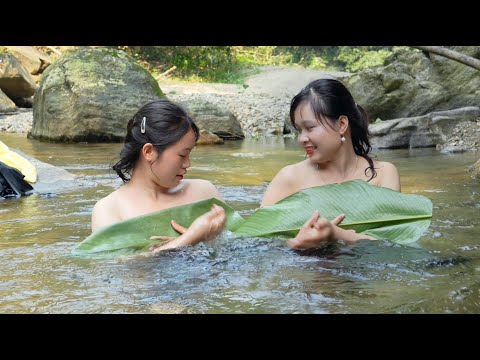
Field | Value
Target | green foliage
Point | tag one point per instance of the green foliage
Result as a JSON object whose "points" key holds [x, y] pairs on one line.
{"points": [[277, 55], [361, 58], [227, 64], [232, 64], [355, 59], [313, 57], [194, 63], [377, 211], [261, 55]]}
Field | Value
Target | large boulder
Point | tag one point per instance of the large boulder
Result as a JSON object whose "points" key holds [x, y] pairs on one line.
{"points": [[474, 170], [420, 131], [91, 95], [414, 84], [212, 118], [15, 81], [32, 59], [6, 105], [208, 138]]}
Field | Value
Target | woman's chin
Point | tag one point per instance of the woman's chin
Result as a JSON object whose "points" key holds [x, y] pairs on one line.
{"points": [[178, 181]]}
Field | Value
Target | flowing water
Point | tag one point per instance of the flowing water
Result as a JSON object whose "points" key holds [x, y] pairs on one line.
{"points": [[439, 274]]}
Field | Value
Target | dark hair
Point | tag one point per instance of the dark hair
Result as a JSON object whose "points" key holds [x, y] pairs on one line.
{"points": [[330, 99], [165, 123]]}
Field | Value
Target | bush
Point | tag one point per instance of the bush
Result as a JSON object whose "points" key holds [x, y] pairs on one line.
{"points": [[360, 58], [231, 64]]}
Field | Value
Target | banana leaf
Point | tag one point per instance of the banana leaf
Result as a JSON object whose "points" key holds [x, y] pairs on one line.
{"points": [[134, 234], [373, 210]]}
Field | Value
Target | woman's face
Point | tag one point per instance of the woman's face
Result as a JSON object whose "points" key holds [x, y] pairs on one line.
{"points": [[171, 165], [320, 141]]}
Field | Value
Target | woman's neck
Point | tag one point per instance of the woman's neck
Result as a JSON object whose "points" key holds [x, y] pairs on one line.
{"points": [[143, 182], [342, 167]]}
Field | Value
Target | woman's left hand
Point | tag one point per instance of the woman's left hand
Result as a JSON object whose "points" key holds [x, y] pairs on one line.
{"points": [[315, 232]]}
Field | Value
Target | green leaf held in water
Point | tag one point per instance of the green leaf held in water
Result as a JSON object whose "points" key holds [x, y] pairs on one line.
{"points": [[374, 210], [135, 233]]}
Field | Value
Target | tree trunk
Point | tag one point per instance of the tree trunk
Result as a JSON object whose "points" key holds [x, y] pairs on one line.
{"points": [[452, 54]]}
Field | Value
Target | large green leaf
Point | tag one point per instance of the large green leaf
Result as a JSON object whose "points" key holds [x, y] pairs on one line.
{"points": [[373, 210], [134, 234]]}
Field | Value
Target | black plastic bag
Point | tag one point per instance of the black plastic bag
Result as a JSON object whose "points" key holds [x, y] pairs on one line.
{"points": [[12, 183]]}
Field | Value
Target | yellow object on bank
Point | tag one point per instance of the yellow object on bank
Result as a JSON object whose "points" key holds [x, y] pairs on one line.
{"points": [[18, 162]]}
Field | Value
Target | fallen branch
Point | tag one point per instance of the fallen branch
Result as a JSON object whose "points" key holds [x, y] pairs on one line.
{"points": [[452, 55], [54, 50], [167, 73]]}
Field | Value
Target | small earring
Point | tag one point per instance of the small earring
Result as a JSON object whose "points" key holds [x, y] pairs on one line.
{"points": [[342, 138], [142, 125]]}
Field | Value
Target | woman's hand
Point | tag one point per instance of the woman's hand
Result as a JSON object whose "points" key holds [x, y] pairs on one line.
{"points": [[314, 232], [317, 230], [349, 236], [164, 239], [205, 227]]}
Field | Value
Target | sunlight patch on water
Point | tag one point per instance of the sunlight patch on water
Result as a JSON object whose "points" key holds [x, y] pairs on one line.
{"points": [[203, 168], [248, 155]]}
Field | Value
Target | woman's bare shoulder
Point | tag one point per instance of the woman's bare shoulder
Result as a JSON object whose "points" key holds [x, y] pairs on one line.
{"points": [[108, 202], [199, 183], [203, 188], [384, 166], [290, 172], [285, 183], [106, 211], [388, 175]]}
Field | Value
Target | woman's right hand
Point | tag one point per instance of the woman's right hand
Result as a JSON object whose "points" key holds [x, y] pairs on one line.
{"points": [[204, 228]]}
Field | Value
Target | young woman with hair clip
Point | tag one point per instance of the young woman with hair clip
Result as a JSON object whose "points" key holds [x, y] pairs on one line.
{"points": [[153, 163]]}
